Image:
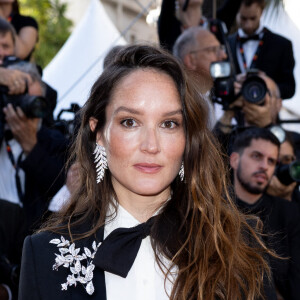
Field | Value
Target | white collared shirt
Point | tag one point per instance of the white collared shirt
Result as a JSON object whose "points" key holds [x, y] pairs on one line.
{"points": [[8, 186], [249, 47], [145, 281]]}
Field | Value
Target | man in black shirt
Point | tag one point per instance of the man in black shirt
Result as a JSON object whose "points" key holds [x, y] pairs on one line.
{"points": [[253, 160]]}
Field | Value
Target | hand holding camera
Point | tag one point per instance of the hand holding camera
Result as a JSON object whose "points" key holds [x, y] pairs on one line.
{"points": [[15, 80], [24, 129], [258, 115]]}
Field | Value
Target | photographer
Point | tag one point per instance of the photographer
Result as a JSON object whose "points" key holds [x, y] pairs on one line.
{"points": [[32, 153], [254, 46], [197, 48], [248, 113], [13, 79], [32, 157]]}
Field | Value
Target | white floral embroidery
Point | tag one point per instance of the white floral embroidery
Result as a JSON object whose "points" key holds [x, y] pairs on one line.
{"points": [[70, 257]]}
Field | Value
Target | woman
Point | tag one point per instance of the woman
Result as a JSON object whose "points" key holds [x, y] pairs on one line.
{"points": [[145, 126], [26, 28]]}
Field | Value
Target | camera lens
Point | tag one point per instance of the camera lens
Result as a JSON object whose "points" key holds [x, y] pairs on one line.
{"points": [[288, 174], [254, 90], [38, 107], [34, 106], [295, 170]]}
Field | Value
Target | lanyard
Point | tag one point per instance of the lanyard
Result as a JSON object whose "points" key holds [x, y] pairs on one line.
{"points": [[255, 57], [16, 165]]}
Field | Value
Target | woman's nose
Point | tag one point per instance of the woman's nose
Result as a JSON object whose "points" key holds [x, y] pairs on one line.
{"points": [[150, 141]]}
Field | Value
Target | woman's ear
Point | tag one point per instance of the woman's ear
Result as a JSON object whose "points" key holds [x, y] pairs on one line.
{"points": [[93, 125]]}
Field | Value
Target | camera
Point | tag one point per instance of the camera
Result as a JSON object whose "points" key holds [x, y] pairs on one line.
{"points": [[68, 127], [253, 89], [288, 173], [32, 106]]}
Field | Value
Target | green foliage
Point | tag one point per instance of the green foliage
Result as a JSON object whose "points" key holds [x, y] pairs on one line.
{"points": [[54, 27]]}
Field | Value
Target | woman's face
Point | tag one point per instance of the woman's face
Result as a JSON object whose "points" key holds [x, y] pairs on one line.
{"points": [[144, 136]]}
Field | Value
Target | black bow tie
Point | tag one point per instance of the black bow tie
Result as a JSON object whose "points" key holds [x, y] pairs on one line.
{"points": [[254, 37], [118, 251]]}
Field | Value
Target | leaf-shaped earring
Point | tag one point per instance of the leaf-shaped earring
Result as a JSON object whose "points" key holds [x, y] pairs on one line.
{"points": [[100, 161], [181, 172]]}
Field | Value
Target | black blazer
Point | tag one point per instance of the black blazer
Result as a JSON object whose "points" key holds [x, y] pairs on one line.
{"points": [[275, 58], [39, 280]]}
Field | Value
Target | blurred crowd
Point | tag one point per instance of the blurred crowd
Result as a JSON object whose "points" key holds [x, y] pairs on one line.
{"points": [[245, 71]]}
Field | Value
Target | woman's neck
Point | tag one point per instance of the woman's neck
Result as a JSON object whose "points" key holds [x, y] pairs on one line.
{"points": [[5, 10], [142, 207]]}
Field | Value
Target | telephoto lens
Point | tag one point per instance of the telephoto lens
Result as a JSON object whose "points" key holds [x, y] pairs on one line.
{"points": [[32, 106]]}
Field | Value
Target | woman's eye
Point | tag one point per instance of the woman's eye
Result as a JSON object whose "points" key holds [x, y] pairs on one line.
{"points": [[129, 123], [169, 124]]}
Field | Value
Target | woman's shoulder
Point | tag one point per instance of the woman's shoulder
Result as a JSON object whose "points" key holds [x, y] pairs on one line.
{"points": [[46, 241]]}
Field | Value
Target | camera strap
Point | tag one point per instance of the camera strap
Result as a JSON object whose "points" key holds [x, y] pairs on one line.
{"points": [[16, 165], [255, 57]]}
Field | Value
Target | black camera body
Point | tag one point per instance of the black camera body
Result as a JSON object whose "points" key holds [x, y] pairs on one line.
{"points": [[253, 89], [288, 173], [32, 106]]}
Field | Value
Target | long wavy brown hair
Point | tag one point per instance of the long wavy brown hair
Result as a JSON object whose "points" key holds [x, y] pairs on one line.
{"points": [[217, 253]]}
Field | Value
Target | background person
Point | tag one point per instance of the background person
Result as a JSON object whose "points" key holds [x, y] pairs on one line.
{"points": [[26, 28], [13, 79], [31, 153], [253, 160], [255, 46], [251, 114], [197, 48], [287, 156], [157, 169]]}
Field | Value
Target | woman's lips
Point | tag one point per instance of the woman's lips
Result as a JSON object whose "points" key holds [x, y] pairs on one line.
{"points": [[148, 168]]}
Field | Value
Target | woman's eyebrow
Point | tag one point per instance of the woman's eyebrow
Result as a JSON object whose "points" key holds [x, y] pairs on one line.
{"points": [[174, 112], [127, 109], [137, 112]]}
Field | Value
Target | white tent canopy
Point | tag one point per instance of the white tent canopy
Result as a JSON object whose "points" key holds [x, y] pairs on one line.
{"points": [[77, 65]]}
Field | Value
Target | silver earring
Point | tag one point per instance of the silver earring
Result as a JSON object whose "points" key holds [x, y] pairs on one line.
{"points": [[100, 161], [181, 172]]}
